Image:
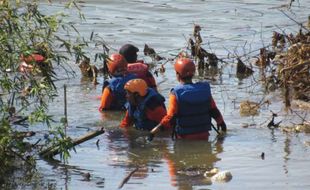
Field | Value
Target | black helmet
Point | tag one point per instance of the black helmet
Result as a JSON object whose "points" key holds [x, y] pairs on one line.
{"points": [[129, 51]]}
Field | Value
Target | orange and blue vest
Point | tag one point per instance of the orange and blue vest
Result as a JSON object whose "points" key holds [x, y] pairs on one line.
{"points": [[116, 84], [194, 103], [138, 112]]}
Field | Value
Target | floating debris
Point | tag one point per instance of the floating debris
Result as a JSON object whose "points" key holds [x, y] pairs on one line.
{"points": [[307, 143], [301, 104], [89, 70], [262, 156], [211, 172], [300, 128], [263, 59], [271, 124], [248, 108], [243, 71], [86, 176], [141, 140], [304, 128], [244, 125], [278, 39], [148, 51], [224, 176], [214, 175]]}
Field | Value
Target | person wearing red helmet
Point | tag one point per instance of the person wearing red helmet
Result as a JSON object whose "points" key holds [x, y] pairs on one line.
{"points": [[137, 67], [191, 105], [113, 95], [28, 62], [145, 106]]}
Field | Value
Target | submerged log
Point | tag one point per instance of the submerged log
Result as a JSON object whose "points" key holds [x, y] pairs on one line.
{"points": [[52, 151]]}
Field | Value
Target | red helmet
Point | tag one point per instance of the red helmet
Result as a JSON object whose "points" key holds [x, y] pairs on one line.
{"points": [[117, 63], [185, 67], [33, 58]]}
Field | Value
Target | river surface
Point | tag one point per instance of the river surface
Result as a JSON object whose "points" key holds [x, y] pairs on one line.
{"points": [[234, 27]]}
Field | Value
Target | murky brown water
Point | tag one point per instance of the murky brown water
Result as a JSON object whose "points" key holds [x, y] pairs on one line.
{"points": [[227, 27]]}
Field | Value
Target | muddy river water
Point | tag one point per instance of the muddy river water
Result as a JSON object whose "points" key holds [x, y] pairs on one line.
{"points": [[234, 27]]}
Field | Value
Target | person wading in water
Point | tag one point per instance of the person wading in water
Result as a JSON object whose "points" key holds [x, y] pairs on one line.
{"points": [[191, 106]]}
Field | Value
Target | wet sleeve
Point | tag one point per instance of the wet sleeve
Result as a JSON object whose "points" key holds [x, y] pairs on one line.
{"points": [[127, 121], [106, 99], [157, 115], [215, 112], [172, 110]]}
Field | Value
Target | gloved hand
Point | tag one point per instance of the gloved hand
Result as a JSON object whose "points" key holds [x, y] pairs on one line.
{"points": [[150, 137], [222, 126]]}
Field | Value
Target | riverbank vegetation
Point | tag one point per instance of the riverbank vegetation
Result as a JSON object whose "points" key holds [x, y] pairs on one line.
{"points": [[31, 46]]}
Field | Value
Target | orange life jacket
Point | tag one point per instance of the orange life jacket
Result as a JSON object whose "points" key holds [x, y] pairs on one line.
{"points": [[140, 69]]}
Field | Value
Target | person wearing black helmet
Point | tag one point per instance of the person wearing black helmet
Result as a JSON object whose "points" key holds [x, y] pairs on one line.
{"points": [[136, 66]]}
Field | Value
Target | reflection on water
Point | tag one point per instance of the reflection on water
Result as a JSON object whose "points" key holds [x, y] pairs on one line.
{"points": [[191, 160], [186, 161], [228, 27], [287, 153]]}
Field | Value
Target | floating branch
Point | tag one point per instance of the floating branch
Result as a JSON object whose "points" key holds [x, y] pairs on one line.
{"points": [[52, 151]]}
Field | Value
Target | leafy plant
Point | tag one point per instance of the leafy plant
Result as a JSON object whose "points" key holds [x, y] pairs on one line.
{"points": [[24, 95]]}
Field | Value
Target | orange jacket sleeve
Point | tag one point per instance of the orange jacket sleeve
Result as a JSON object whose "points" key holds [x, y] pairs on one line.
{"points": [[106, 99], [172, 110], [127, 121], [157, 115]]}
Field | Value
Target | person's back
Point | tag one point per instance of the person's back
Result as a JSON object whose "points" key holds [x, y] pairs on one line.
{"points": [[191, 105], [194, 101], [137, 67], [113, 95]]}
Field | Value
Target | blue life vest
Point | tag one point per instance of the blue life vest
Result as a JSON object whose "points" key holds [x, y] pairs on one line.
{"points": [[138, 112], [116, 84], [194, 103]]}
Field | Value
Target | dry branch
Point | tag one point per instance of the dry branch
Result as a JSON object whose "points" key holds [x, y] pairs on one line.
{"points": [[295, 66]]}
